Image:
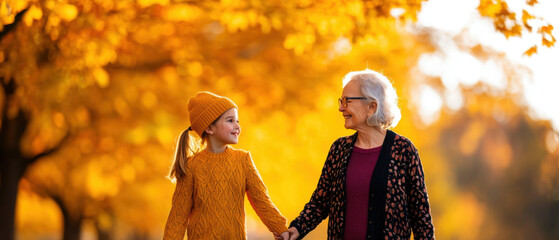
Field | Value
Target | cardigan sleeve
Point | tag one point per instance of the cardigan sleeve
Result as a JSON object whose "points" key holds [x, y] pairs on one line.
{"points": [[260, 200], [417, 198], [181, 207], [316, 210]]}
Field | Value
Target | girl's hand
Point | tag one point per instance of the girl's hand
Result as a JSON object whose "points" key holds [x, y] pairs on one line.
{"points": [[293, 233], [283, 236]]}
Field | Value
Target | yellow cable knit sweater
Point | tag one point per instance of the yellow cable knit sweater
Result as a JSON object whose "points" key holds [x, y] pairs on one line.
{"points": [[209, 199]]}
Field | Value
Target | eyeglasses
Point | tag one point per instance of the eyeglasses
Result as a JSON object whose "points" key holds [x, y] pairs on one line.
{"points": [[343, 101]]}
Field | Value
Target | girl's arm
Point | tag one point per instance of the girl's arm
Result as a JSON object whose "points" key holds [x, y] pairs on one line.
{"points": [[316, 210], [180, 208], [418, 200], [260, 200]]}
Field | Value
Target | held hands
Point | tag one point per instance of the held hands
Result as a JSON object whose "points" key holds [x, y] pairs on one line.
{"points": [[290, 234]]}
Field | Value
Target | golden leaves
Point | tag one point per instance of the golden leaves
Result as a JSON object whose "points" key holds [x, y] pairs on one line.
{"points": [[182, 12], [525, 17], [98, 182], [506, 22], [299, 42], [470, 139], [9, 9], [34, 13], [548, 39], [242, 20], [530, 51], [147, 3], [531, 2], [66, 12], [101, 77], [195, 69], [148, 99]]}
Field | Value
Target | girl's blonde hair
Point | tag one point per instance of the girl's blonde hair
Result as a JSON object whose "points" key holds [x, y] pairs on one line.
{"points": [[186, 147]]}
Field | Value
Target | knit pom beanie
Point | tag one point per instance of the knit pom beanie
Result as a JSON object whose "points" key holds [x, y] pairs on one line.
{"points": [[206, 107]]}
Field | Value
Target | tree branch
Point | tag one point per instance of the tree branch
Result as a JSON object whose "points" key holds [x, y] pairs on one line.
{"points": [[48, 152], [10, 27]]}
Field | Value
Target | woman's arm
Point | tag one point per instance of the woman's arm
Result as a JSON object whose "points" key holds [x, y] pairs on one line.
{"points": [[418, 200], [260, 200], [316, 210], [180, 208]]}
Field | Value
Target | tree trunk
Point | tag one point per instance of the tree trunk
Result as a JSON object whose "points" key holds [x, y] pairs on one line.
{"points": [[72, 222], [72, 228], [105, 232], [12, 164], [11, 171]]}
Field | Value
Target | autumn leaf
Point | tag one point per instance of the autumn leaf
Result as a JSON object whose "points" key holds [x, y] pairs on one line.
{"points": [[532, 50], [548, 39], [525, 17], [531, 2]]}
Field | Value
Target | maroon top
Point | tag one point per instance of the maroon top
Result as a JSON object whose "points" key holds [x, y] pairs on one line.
{"points": [[358, 179]]}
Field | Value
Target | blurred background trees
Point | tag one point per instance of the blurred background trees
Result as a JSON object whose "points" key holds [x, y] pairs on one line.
{"points": [[95, 93]]}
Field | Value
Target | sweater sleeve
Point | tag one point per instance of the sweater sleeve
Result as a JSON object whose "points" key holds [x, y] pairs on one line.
{"points": [[417, 198], [181, 207], [260, 200], [316, 210]]}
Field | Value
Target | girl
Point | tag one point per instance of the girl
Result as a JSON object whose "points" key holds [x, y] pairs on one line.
{"points": [[211, 184]]}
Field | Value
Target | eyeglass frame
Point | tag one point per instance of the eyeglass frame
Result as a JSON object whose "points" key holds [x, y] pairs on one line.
{"points": [[343, 101]]}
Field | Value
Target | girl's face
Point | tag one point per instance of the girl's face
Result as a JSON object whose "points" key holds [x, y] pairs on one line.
{"points": [[226, 129]]}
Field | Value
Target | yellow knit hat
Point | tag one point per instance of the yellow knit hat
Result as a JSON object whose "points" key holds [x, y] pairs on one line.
{"points": [[206, 107]]}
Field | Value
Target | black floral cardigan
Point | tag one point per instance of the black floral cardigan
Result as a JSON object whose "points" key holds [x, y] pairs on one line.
{"points": [[398, 202]]}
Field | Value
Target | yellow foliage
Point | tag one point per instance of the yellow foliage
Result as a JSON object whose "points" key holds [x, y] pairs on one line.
{"points": [[128, 173], [164, 135], [299, 42], [137, 136], [98, 184], [149, 100], [239, 20], [147, 3], [470, 138], [234, 4], [195, 69], [66, 12], [182, 12], [489, 7], [101, 77], [29, 206], [530, 51], [469, 213], [58, 119], [34, 13], [497, 152]]}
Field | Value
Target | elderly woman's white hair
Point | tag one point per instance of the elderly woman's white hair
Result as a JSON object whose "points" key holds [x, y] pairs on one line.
{"points": [[376, 87]]}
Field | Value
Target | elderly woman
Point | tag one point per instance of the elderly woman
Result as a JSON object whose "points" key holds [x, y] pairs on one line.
{"points": [[372, 184]]}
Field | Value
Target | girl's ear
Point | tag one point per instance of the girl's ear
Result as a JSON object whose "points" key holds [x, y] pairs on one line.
{"points": [[209, 130]]}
